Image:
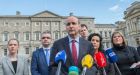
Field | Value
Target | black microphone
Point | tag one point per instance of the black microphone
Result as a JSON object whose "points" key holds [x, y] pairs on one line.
{"points": [[60, 59], [112, 57]]}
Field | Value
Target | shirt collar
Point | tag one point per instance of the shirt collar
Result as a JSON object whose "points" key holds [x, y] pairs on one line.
{"points": [[76, 39], [46, 48]]}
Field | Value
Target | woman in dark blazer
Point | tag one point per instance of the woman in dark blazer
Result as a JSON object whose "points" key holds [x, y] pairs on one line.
{"points": [[13, 64], [96, 40], [127, 55]]}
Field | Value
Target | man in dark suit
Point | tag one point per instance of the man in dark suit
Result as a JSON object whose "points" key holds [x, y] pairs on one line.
{"points": [[41, 57], [81, 47]]}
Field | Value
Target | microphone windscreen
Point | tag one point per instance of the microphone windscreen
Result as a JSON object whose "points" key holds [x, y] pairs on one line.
{"points": [[87, 61], [73, 73], [73, 68], [61, 56], [100, 59], [112, 57]]}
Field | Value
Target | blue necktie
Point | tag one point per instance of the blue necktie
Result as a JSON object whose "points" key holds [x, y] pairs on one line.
{"points": [[47, 56]]}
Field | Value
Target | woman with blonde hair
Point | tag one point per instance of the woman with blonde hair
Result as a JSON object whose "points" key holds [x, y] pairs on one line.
{"points": [[128, 57], [14, 64]]}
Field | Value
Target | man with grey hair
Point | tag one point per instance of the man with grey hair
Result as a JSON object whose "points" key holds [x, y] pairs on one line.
{"points": [[74, 46]]}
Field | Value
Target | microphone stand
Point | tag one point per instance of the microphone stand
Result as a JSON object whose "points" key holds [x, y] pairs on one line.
{"points": [[84, 71], [59, 68], [104, 72], [117, 69]]}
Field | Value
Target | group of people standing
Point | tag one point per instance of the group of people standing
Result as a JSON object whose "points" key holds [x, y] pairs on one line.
{"points": [[76, 44]]}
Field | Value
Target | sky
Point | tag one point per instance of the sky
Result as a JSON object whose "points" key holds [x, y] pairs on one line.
{"points": [[104, 11]]}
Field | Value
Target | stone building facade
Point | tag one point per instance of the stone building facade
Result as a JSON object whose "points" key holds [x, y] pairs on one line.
{"points": [[28, 28], [105, 30], [132, 24]]}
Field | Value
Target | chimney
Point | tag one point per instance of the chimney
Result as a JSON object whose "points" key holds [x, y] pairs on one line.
{"points": [[71, 14], [17, 12]]}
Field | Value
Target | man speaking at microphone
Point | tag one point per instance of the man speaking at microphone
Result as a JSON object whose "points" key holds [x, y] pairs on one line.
{"points": [[75, 46]]}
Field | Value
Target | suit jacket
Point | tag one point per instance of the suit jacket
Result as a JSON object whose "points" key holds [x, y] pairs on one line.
{"points": [[22, 66], [39, 64], [63, 44], [138, 49]]}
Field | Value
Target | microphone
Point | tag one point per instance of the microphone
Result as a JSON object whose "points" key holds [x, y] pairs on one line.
{"points": [[87, 62], [73, 70], [112, 57], [60, 59], [101, 61]]}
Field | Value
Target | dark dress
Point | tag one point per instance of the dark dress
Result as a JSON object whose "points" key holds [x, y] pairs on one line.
{"points": [[126, 57]]}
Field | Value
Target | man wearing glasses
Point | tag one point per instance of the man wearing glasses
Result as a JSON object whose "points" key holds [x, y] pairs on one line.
{"points": [[41, 57], [75, 46]]}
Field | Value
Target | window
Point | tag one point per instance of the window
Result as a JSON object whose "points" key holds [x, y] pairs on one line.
{"points": [[27, 50], [5, 52], [138, 24], [37, 35], [17, 24], [27, 36], [5, 36], [110, 33], [64, 34], [56, 35], [16, 35], [57, 23], [105, 34], [37, 23], [48, 23], [37, 48], [107, 44], [101, 33], [5, 23], [27, 24]]}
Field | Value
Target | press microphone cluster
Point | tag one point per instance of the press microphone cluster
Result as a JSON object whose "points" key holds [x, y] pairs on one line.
{"points": [[100, 61], [112, 57], [73, 70], [87, 62], [60, 59]]}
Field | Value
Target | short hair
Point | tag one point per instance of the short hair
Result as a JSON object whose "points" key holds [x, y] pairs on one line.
{"points": [[46, 32], [84, 25], [13, 39], [72, 16]]}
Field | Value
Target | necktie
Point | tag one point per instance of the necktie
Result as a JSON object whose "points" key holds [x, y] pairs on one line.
{"points": [[74, 52], [47, 56]]}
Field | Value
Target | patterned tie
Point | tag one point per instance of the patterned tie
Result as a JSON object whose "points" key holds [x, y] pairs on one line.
{"points": [[47, 56], [74, 52]]}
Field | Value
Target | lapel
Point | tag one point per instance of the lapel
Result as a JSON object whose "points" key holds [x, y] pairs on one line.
{"points": [[42, 56], [10, 64], [80, 50], [19, 60], [68, 51]]}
